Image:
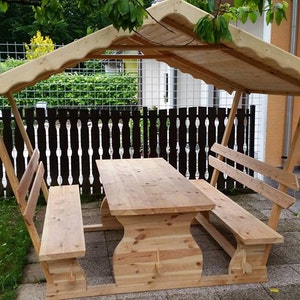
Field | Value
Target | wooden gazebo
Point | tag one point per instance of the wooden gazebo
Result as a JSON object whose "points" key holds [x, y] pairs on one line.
{"points": [[245, 65]]}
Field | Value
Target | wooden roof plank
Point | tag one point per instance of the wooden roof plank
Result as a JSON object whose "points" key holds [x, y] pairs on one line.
{"points": [[176, 19]]}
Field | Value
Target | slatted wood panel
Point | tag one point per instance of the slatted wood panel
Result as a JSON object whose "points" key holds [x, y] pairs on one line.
{"points": [[273, 194], [34, 195]]}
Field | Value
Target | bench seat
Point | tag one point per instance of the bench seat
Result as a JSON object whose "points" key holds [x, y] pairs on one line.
{"points": [[63, 234], [62, 239], [246, 227], [253, 237]]}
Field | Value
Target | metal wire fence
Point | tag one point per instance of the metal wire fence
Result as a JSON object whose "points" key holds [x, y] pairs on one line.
{"points": [[125, 85]]}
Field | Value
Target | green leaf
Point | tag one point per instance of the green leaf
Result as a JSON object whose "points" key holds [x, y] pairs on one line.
{"points": [[228, 36], [260, 6], [243, 14], [132, 12], [238, 3], [253, 16], [269, 16], [224, 30], [3, 6], [278, 16], [217, 23], [212, 30], [210, 6], [123, 7]]}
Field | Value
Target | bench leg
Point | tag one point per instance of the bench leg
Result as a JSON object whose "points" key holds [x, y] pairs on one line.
{"points": [[248, 260], [67, 276]]}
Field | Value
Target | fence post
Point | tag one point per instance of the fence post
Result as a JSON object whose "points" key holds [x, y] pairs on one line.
{"points": [[145, 131], [252, 130]]}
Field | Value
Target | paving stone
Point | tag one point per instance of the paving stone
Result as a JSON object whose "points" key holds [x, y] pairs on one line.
{"points": [[291, 292], [96, 266], [205, 293], [283, 264], [296, 267], [282, 275], [243, 292], [96, 249], [32, 273], [31, 291], [153, 295], [97, 236]]}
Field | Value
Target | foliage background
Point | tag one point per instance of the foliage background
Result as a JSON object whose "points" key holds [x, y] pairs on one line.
{"points": [[72, 88]]}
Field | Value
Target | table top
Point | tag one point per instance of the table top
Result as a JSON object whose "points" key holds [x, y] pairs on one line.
{"points": [[148, 186]]}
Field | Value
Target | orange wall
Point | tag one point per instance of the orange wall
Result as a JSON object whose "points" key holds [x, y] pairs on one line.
{"points": [[280, 37]]}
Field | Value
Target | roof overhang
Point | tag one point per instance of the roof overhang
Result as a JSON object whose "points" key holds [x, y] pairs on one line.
{"points": [[247, 64]]}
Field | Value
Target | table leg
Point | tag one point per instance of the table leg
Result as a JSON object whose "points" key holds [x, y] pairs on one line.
{"points": [[157, 249], [108, 221]]}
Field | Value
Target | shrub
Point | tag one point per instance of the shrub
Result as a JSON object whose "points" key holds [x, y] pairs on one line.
{"points": [[72, 89], [10, 63], [39, 46]]}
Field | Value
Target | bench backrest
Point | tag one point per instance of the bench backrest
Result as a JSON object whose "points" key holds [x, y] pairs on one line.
{"points": [[27, 195], [226, 163]]}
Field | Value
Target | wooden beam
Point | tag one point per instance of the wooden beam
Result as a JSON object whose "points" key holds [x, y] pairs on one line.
{"points": [[289, 167], [284, 177], [113, 289], [150, 47], [24, 135], [9, 169], [219, 238], [19, 122], [161, 47], [125, 56], [227, 132], [182, 29]]}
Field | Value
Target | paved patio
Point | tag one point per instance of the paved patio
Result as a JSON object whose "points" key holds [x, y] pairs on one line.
{"points": [[283, 265]]}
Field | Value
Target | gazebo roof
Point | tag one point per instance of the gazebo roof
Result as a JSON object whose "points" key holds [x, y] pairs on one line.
{"points": [[247, 64]]}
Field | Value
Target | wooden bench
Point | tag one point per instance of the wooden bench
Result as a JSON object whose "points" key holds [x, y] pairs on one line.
{"points": [[62, 240], [253, 237]]}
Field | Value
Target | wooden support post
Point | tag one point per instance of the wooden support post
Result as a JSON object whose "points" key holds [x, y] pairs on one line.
{"points": [[289, 166], [9, 169], [227, 132], [24, 134], [19, 122], [292, 155]]}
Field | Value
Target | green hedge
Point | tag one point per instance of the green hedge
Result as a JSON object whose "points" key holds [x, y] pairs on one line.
{"points": [[10, 63], [72, 89]]}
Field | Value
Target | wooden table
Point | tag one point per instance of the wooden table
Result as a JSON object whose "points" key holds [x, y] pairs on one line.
{"points": [[156, 205]]}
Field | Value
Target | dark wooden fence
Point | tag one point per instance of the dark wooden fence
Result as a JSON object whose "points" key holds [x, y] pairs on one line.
{"points": [[70, 140]]}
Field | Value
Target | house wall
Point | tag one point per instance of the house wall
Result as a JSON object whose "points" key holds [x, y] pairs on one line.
{"points": [[270, 110], [163, 87], [276, 112]]}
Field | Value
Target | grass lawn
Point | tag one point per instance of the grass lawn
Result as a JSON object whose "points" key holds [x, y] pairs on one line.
{"points": [[14, 244]]}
